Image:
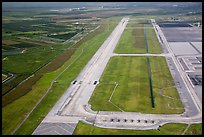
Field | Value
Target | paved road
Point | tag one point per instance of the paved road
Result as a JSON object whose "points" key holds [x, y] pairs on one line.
{"points": [[73, 105]]}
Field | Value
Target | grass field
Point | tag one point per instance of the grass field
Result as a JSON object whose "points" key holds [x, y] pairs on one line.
{"points": [[24, 31], [133, 91], [167, 129], [153, 43], [195, 129], [15, 112], [133, 39], [27, 62], [24, 65], [64, 36], [4, 77], [162, 82], [132, 24], [138, 20], [11, 121], [26, 35]]}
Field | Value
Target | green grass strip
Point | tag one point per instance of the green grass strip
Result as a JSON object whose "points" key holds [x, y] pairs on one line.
{"points": [[167, 129]]}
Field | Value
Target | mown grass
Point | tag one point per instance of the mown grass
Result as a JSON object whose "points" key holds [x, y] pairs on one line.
{"points": [[153, 43], [126, 71], [132, 24], [161, 78], [167, 129], [194, 129], [18, 107], [133, 91], [133, 39], [137, 20]]}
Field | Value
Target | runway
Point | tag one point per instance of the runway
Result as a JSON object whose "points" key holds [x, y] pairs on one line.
{"points": [[73, 105]]}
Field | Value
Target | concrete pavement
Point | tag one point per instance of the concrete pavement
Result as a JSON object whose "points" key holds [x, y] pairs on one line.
{"points": [[73, 105]]}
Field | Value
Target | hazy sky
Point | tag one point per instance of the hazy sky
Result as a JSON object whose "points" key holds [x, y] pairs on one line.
{"points": [[7, 5]]}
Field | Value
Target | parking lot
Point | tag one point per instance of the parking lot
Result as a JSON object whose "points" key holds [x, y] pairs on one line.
{"points": [[180, 32]]}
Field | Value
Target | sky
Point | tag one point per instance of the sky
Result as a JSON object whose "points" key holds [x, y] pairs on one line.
{"points": [[9, 5]]}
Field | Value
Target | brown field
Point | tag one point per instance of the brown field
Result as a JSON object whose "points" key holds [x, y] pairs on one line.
{"points": [[9, 42]]}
